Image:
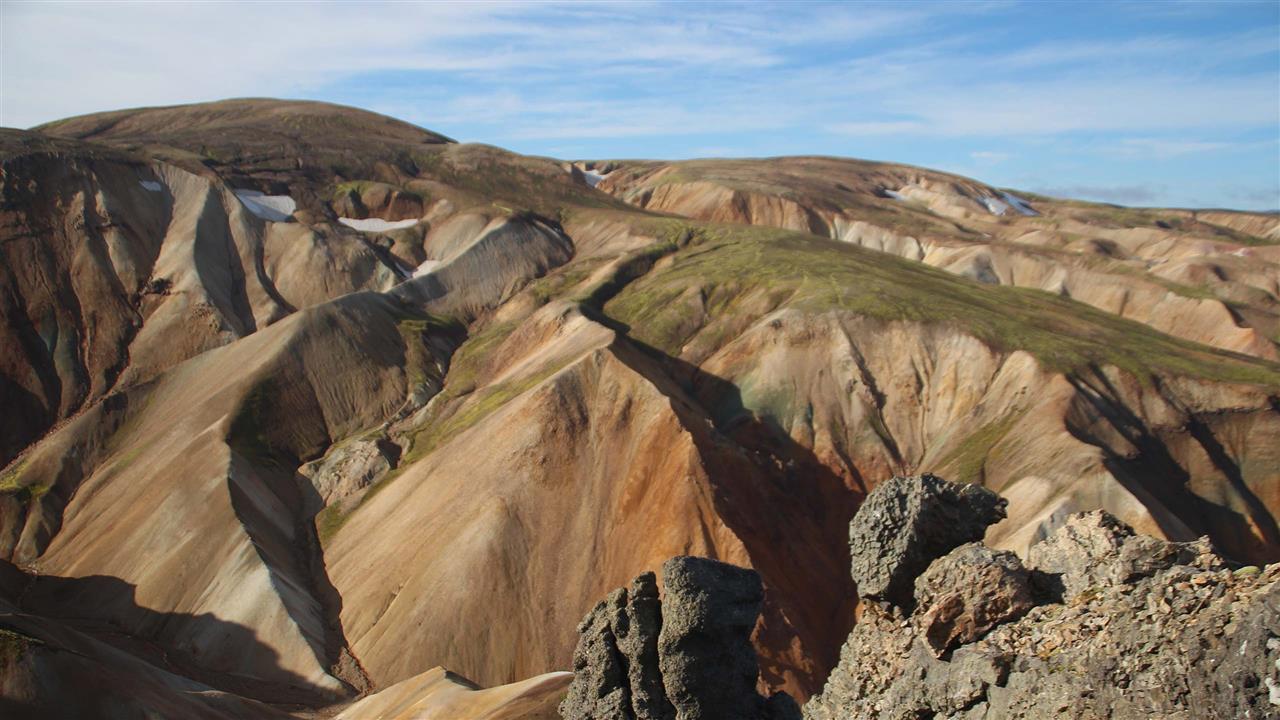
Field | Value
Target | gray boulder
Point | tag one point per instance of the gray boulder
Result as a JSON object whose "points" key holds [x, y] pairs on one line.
{"points": [[687, 656], [600, 689], [637, 633], [615, 665], [708, 664], [908, 522]]}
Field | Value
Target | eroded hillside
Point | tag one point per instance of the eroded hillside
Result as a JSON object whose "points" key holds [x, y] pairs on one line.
{"points": [[313, 402], [1208, 276]]}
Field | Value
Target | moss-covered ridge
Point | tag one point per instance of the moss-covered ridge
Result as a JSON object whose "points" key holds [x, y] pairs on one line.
{"points": [[729, 267]]}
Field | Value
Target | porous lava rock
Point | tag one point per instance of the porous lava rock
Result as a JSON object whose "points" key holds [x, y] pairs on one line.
{"points": [[908, 522], [687, 656], [1103, 623]]}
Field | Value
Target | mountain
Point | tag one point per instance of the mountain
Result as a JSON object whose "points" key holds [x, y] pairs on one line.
{"points": [[307, 402]]}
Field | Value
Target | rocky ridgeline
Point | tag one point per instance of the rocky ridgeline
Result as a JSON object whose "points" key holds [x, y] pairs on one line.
{"points": [[687, 656], [1099, 623]]}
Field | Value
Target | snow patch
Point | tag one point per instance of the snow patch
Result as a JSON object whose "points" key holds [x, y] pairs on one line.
{"points": [[376, 224], [151, 185], [895, 195], [593, 178], [427, 267], [1018, 204], [276, 208], [994, 206]]}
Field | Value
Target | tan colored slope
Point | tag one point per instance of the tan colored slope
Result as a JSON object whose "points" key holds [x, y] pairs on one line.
{"points": [[484, 262], [441, 695], [106, 282], [1259, 225], [1186, 430], [872, 400], [191, 506], [111, 494], [1212, 277], [523, 492], [782, 404], [575, 463], [48, 669]]}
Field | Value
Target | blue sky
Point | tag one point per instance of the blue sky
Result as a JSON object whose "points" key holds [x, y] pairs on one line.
{"points": [[1144, 103]]}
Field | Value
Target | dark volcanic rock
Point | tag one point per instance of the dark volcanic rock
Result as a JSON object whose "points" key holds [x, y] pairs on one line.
{"points": [[637, 633], [686, 657], [708, 665], [906, 523], [600, 687], [1133, 627]]}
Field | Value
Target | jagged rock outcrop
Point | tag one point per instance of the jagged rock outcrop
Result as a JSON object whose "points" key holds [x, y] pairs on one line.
{"points": [[349, 468], [1103, 623], [907, 523], [686, 657]]}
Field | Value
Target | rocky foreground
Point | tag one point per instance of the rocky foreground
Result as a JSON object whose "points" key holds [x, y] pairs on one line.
{"points": [[1099, 623]]}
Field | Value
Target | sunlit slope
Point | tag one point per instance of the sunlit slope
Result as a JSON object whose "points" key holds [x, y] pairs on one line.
{"points": [[1209, 276]]}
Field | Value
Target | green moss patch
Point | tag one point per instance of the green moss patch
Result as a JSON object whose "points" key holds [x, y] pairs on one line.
{"points": [[967, 460], [734, 272], [13, 645]]}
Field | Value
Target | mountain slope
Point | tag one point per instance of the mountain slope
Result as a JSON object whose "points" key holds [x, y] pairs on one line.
{"points": [[1208, 276]]}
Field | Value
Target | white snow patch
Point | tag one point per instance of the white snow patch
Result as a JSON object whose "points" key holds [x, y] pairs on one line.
{"points": [[151, 185], [276, 208], [896, 195], [427, 267], [593, 178], [1018, 204], [994, 206], [376, 224]]}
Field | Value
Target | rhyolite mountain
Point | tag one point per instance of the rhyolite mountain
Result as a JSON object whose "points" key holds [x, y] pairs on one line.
{"points": [[304, 406]]}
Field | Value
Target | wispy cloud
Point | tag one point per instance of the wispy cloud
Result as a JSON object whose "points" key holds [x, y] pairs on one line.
{"points": [[988, 157], [1000, 86], [1162, 148], [1121, 194]]}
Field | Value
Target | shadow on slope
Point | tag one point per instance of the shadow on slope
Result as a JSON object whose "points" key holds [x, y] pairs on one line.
{"points": [[92, 605], [789, 509], [1154, 475]]}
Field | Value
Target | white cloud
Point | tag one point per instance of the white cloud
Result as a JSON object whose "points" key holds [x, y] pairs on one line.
{"points": [[1119, 194], [1163, 148], [988, 157], [519, 72], [879, 127], [63, 59]]}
